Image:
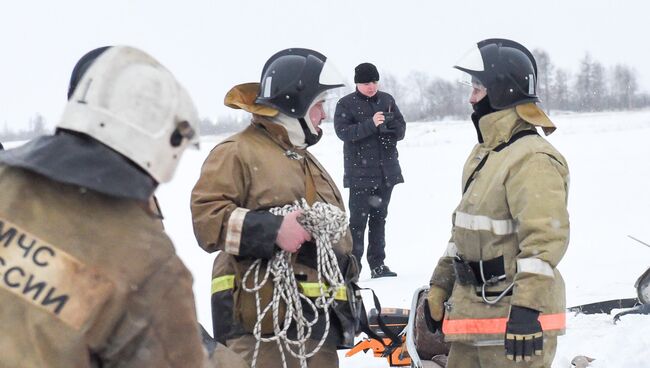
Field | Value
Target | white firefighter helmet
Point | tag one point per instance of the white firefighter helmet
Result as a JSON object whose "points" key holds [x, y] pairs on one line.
{"points": [[131, 103]]}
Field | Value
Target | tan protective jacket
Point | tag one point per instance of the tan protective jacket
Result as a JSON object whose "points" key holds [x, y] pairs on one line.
{"points": [[253, 171], [515, 207], [87, 280]]}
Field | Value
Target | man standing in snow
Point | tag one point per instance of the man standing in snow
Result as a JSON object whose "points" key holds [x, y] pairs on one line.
{"points": [[497, 286], [270, 167], [370, 124], [89, 279]]}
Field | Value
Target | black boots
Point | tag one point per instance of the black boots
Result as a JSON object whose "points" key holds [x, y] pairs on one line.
{"points": [[381, 271]]}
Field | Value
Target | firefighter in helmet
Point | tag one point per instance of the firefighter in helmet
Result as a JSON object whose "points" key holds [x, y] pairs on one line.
{"points": [[89, 277], [270, 167], [496, 288]]}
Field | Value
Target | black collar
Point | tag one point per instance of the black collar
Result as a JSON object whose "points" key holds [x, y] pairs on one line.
{"points": [[82, 161], [366, 98]]}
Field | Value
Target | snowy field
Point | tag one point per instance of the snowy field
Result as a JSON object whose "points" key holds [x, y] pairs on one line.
{"points": [[608, 155]]}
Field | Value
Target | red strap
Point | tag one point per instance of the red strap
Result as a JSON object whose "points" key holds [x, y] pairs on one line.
{"points": [[497, 325]]}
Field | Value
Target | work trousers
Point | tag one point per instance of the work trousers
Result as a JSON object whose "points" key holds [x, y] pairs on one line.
{"points": [[469, 356], [369, 206], [269, 355]]}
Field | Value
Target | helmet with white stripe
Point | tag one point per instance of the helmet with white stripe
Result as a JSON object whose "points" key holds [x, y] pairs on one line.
{"points": [[507, 70], [127, 100]]}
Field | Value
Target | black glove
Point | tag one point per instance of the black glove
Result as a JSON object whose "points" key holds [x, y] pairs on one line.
{"points": [[386, 130], [523, 334]]}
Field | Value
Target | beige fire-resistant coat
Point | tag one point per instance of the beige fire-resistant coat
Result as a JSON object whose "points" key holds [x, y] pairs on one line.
{"points": [[251, 172], [515, 207], [256, 169], [88, 280]]}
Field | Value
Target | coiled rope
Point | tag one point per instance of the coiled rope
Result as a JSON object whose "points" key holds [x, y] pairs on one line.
{"points": [[326, 224]]}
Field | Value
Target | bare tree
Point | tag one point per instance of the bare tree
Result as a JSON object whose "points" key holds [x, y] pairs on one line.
{"points": [[390, 84], [624, 86], [545, 70], [418, 104], [37, 124], [560, 90], [583, 84], [599, 87]]}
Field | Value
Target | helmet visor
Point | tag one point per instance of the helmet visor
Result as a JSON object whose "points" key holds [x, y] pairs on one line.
{"points": [[330, 76], [471, 61], [333, 80], [469, 80]]}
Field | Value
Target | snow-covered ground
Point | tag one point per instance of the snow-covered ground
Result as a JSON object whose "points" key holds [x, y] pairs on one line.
{"points": [[608, 155]]}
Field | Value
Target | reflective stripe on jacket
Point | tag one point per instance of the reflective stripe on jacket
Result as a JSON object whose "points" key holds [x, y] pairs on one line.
{"points": [[308, 289], [516, 208]]}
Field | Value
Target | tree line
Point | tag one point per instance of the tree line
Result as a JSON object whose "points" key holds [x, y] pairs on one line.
{"points": [[36, 126], [593, 87], [423, 97]]}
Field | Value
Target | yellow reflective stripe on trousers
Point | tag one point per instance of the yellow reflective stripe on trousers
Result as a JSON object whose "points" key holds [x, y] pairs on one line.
{"points": [[308, 289], [313, 290], [222, 283]]}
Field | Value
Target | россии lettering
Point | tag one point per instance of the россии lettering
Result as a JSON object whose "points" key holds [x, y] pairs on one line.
{"points": [[28, 276]]}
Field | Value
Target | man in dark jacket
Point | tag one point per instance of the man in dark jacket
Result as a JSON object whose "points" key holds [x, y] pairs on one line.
{"points": [[369, 123]]}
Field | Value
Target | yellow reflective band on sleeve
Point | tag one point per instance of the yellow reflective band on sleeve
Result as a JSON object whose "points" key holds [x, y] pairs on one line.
{"points": [[222, 283], [313, 290]]}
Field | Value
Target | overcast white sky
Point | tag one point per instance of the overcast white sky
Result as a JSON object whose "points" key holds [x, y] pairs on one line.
{"points": [[211, 45]]}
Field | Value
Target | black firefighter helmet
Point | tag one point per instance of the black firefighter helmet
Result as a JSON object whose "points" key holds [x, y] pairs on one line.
{"points": [[292, 79], [506, 68]]}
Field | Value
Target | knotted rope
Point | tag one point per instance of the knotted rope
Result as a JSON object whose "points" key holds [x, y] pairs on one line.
{"points": [[326, 224]]}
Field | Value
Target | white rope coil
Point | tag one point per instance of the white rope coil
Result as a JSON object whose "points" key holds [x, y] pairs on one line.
{"points": [[326, 224]]}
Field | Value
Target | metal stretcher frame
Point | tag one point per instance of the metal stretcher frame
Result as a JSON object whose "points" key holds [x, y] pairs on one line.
{"points": [[410, 329]]}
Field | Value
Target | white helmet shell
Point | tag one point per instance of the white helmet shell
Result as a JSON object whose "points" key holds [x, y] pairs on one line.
{"points": [[128, 101]]}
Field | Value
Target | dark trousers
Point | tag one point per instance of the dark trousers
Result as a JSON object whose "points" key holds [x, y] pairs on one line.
{"points": [[369, 205]]}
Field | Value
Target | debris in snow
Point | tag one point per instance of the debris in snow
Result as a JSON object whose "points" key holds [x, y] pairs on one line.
{"points": [[581, 361]]}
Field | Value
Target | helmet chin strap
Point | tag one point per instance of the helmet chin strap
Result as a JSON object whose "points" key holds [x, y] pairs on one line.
{"points": [[312, 135], [310, 138], [299, 133]]}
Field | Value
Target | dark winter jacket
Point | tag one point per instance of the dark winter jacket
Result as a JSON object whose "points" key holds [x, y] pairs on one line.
{"points": [[370, 152]]}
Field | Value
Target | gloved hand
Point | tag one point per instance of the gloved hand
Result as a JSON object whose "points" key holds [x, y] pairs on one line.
{"points": [[384, 129], [523, 334], [390, 121], [436, 299]]}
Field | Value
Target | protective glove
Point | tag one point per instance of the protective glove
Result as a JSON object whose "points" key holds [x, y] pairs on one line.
{"points": [[436, 299], [523, 334]]}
